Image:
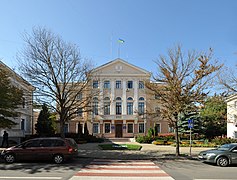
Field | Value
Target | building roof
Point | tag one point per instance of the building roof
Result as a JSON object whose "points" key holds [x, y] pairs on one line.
{"points": [[13, 73]]}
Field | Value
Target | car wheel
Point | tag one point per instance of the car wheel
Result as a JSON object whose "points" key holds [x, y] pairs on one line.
{"points": [[222, 161], [9, 158], [58, 158]]}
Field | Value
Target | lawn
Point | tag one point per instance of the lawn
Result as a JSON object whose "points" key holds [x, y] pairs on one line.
{"points": [[132, 147]]}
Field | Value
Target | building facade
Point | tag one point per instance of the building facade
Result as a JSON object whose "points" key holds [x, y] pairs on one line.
{"points": [[25, 110], [232, 116], [122, 106]]}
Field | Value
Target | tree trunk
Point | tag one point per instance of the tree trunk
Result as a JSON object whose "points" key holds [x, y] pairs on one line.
{"points": [[62, 134], [177, 153]]}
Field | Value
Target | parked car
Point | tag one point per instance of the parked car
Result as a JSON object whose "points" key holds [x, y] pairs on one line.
{"points": [[53, 148], [222, 156]]}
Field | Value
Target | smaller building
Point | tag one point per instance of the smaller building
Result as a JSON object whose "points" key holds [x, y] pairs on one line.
{"points": [[232, 116], [25, 110]]}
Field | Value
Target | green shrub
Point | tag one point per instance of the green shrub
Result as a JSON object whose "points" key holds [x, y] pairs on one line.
{"points": [[220, 140], [144, 139]]}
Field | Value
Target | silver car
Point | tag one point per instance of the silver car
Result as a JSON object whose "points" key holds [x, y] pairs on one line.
{"points": [[222, 156]]}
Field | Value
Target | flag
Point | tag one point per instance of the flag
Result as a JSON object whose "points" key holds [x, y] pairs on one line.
{"points": [[121, 41]]}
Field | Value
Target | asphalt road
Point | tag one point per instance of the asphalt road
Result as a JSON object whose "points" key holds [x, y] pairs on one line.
{"points": [[178, 169], [194, 169]]}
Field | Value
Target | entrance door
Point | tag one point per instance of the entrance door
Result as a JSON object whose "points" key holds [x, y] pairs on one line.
{"points": [[118, 130]]}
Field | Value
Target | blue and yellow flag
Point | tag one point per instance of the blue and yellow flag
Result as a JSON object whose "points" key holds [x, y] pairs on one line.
{"points": [[121, 41]]}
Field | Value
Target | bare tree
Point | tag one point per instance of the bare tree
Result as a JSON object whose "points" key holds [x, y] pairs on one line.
{"points": [[181, 83], [58, 72]]}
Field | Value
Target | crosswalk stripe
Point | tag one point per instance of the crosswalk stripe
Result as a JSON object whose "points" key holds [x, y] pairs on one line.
{"points": [[123, 169]]}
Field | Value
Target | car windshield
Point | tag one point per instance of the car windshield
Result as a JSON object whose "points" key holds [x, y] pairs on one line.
{"points": [[226, 147]]}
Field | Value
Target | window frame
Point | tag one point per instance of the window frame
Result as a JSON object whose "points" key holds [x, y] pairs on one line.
{"points": [[105, 130], [128, 128], [97, 126], [118, 84], [106, 84], [130, 84], [141, 85], [143, 131], [95, 84]]}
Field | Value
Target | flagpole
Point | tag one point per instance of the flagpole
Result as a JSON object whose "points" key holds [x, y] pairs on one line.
{"points": [[119, 50], [120, 41]]}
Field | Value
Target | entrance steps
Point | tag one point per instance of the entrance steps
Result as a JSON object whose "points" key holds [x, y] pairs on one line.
{"points": [[114, 140]]}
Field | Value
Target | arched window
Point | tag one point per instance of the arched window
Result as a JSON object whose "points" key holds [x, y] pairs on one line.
{"points": [[106, 99], [106, 106], [118, 99], [118, 106], [141, 106], [130, 106], [95, 106]]}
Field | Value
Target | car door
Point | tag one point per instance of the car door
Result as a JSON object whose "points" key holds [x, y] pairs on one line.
{"points": [[46, 151], [234, 155], [28, 150]]}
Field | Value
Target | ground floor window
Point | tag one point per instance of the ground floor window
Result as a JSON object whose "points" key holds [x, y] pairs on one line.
{"points": [[107, 127], [130, 128], [96, 128], [171, 129], [235, 135], [157, 129], [66, 128], [80, 128], [141, 128]]}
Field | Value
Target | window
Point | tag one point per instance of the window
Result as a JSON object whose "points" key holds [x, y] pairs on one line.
{"points": [[95, 84], [118, 108], [171, 129], [95, 106], [141, 85], [130, 108], [141, 108], [80, 128], [106, 84], [118, 85], [107, 127], [79, 112], [130, 128], [118, 99], [130, 84], [106, 106], [79, 96], [66, 127], [96, 128], [157, 96], [235, 134], [157, 129], [141, 128], [23, 102], [22, 124]]}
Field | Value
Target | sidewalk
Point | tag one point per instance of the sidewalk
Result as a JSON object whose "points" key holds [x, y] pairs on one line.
{"points": [[148, 151]]}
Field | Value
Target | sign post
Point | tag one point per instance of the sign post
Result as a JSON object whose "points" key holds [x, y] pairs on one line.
{"points": [[190, 125]]}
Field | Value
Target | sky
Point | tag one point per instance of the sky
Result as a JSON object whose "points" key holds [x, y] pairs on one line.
{"points": [[148, 27]]}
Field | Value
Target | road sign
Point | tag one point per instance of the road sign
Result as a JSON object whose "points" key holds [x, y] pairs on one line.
{"points": [[190, 123]]}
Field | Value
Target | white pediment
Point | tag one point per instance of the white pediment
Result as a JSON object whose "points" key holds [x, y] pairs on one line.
{"points": [[119, 67]]}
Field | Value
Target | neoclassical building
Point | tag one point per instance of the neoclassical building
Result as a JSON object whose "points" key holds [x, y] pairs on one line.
{"points": [[123, 106], [25, 110]]}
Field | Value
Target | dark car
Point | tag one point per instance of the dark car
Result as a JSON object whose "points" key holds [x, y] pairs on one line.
{"points": [[222, 156], [53, 148]]}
